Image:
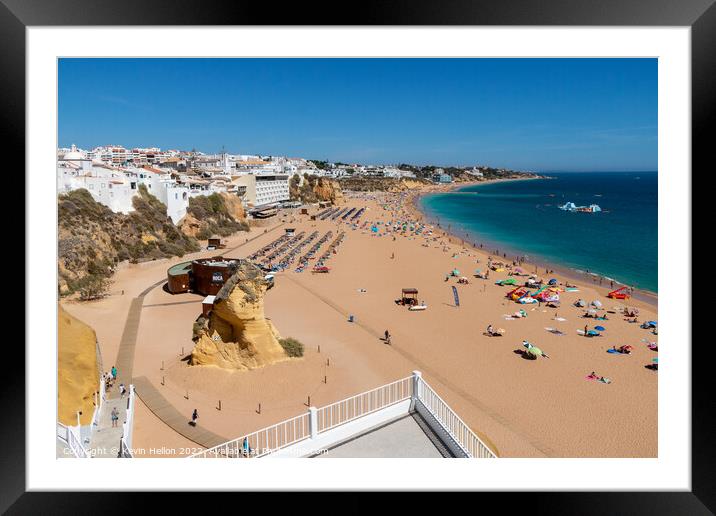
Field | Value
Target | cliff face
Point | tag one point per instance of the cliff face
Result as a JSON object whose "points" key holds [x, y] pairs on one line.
{"points": [[217, 214], [328, 190], [92, 238], [309, 189], [77, 369], [237, 335], [381, 184]]}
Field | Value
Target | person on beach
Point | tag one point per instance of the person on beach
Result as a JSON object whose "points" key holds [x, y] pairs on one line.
{"points": [[194, 417], [114, 373], [585, 330], [122, 390], [115, 417], [387, 337]]}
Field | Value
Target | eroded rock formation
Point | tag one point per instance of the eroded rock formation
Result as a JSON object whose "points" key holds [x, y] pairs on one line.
{"points": [[237, 335]]}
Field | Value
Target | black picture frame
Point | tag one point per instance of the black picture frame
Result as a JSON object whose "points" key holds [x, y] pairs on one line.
{"points": [[700, 15]]}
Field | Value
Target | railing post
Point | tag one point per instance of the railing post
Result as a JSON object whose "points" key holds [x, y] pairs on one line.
{"points": [[417, 377], [313, 421]]}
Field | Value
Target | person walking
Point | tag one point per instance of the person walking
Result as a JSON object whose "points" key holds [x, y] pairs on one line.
{"points": [[114, 373], [585, 330], [122, 390], [115, 417], [194, 417], [387, 337]]}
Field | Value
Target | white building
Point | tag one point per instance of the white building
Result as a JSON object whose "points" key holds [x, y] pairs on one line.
{"points": [[262, 189]]}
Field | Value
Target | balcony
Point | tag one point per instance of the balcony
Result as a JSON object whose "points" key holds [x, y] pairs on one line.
{"points": [[405, 418]]}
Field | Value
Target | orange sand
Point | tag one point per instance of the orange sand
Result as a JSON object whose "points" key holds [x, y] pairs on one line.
{"points": [[524, 408]]}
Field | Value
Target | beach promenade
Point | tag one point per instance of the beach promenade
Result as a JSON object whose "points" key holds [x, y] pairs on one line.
{"points": [[522, 408]]}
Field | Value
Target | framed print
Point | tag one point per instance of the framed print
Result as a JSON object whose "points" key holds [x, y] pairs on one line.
{"points": [[440, 233]]}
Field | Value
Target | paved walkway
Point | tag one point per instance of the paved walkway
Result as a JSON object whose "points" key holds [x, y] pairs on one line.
{"points": [[105, 440], [164, 410]]}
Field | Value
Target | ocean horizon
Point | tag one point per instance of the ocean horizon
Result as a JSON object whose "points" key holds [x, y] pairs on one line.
{"points": [[523, 218]]}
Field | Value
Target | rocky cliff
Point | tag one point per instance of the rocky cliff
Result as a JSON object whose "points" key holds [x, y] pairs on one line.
{"points": [[237, 335], [217, 214], [92, 239], [381, 184], [77, 369], [309, 189]]}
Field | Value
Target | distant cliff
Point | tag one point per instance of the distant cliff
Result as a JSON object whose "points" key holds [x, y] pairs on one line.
{"points": [[92, 239], [310, 189], [236, 335], [381, 184]]}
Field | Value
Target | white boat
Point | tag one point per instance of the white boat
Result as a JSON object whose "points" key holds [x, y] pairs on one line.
{"points": [[570, 206]]}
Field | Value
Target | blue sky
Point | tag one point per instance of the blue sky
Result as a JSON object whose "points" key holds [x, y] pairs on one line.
{"points": [[529, 114]]}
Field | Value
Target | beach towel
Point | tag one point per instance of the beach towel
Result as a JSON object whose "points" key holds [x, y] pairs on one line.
{"points": [[615, 352]]}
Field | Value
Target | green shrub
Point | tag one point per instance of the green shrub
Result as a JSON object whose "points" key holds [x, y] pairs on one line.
{"points": [[292, 347]]}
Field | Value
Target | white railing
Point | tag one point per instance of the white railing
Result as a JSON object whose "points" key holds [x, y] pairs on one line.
{"points": [[128, 425], [99, 401], [354, 407], [70, 436], [124, 451], [318, 420], [451, 422], [262, 442]]}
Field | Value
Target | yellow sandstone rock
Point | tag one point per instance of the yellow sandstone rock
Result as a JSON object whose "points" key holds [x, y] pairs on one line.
{"points": [[77, 369], [237, 335]]}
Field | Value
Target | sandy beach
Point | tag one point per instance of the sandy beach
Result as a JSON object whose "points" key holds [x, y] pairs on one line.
{"points": [[522, 408]]}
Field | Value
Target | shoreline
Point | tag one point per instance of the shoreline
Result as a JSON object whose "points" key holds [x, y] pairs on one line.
{"points": [[573, 275]]}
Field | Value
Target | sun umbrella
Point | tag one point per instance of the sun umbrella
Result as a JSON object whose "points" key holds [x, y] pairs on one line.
{"points": [[596, 303], [599, 328], [592, 333], [655, 360], [552, 281], [653, 323], [455, 272]]}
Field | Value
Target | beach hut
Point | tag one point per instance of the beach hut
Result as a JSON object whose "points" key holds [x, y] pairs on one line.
{"points": [[207, 304], [215, 242], [409, 296]]}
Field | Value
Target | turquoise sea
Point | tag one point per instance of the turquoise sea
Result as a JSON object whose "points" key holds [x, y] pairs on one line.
{"points": [[523, 218]]}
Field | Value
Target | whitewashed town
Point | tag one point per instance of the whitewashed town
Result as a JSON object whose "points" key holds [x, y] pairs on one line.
{"points": [[113, 173]]}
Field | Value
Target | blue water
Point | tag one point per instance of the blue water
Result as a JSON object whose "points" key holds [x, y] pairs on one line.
{"points": [[523, 218]]}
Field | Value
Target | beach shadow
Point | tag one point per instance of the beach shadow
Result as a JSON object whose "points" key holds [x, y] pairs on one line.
{"points": [[521, 352], [652, 367], [191, 423]]}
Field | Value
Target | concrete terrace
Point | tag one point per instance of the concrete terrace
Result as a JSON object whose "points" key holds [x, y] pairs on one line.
{"points": [[405, 437]]}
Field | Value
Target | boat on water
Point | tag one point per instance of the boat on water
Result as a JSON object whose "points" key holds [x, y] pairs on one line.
{"points": [[570, 206]]}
